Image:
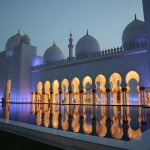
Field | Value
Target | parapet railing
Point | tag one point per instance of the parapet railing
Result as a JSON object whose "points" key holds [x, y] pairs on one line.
{"points": [[112, 51]]}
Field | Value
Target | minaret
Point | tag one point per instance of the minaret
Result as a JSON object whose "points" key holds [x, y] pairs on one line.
{"points": [[146, 10], [70, 46]]}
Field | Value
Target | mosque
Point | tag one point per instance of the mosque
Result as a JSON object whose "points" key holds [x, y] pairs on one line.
{"points": [[120, 75]]}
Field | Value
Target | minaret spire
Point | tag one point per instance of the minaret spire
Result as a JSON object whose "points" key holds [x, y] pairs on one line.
{"points": [[135, 17], [87, 32], [70, 46], [18, 31]]}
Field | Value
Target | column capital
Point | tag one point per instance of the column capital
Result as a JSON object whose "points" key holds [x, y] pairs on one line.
{"points": [[81, 91], [33, 92], [142, 88], [124, 89], [108, 90], [51, 92], [70, 91], [94, 90], [60, 92]]}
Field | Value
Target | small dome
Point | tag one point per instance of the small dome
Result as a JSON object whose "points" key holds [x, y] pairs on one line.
{"points": [[87, 44], [53, 54], [134, 33], [25, 39], [13, 41]]}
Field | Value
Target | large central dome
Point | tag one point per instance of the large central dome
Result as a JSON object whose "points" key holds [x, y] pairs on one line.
{"points": [[134, 33], [86, 45]]}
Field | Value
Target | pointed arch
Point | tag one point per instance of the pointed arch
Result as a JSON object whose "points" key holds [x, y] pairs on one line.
{"points": [[65, 83], [115, 86], [86, 79], [114, 79], [102, 80], [87, 88], [46, 94], [75, 83], [55, 85], [47, 86], [132, 75], [65, 93], [133, 93], [39, 96], [39, 87]]}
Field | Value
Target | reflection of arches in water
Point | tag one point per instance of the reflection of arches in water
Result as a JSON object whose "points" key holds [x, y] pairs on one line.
{"points": [[87, 120], [46, 118], [33, 102], [6, 111], [64, 121], [100, 82], [55, 86], [132, 79], [115, 83], [75, 125], [75, 88], [87, 128], [39, 117], [117, 121], [116, 128], [134, 123], [55, 116], [87, 87], [65, 93], [101, 128]]}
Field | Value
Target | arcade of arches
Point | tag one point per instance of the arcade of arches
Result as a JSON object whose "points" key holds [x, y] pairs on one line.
{"points": [[69, 92]]}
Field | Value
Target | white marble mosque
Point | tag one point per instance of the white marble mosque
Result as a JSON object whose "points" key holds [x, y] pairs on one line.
{"points": [[120, 75]]}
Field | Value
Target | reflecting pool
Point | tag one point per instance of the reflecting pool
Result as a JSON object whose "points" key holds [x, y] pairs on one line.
{"points": [[117, 122]]}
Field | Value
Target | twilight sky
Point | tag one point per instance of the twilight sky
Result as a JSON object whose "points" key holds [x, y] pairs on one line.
{"points": [[46, 21]]}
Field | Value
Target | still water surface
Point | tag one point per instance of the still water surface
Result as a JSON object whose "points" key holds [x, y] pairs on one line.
{"points": [[118, 122]]}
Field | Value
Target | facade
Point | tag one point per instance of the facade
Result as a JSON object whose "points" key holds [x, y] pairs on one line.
{"points": [[121, 73]]}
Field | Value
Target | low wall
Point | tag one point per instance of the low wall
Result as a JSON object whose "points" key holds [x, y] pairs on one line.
{"points": [[70, 140]]}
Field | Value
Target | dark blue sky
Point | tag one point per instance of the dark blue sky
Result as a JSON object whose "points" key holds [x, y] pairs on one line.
{"points": [[46, 21]]}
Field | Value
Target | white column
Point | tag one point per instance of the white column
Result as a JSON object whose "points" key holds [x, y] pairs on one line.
{"points": [[8, 90], [94, 103]]}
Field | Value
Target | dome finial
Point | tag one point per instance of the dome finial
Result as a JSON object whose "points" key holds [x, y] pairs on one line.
{"points": [[135, 17], [87, 32]]}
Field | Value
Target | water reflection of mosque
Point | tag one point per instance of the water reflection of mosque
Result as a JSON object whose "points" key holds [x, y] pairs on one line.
{"points": [[118, 122]]}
